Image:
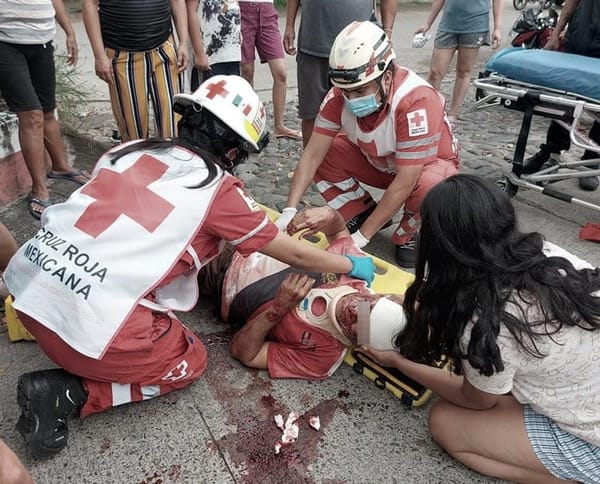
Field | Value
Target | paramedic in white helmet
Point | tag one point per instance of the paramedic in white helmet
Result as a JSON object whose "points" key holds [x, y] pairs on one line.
{"points": [[382, 125], [298, 324], [98, 283]]}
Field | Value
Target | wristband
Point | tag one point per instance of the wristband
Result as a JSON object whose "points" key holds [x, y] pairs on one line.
{"points": [[359, 239]]}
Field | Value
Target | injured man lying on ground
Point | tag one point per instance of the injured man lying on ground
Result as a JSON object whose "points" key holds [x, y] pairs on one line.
{"points": [[295, 324]]}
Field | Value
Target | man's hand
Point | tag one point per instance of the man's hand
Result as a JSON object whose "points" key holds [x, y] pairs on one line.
{"points": [[104, 68], [553, 43], [288, 41], [182, 57], [201, 61], [72, 50], [293, 289], [312, 219]]}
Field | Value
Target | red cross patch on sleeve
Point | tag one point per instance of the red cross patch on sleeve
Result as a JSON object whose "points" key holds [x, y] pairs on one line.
{"points": [[417, 123]]}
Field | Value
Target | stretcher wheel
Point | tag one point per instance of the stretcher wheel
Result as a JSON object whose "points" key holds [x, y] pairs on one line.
{"points": [[507, 186]]}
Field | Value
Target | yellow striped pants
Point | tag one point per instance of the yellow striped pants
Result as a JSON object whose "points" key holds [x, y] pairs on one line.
{"points": [[141, 78]]}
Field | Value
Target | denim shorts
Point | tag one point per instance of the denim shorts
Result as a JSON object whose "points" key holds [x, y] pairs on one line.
{"points": [[452, 40], [562, 453]]}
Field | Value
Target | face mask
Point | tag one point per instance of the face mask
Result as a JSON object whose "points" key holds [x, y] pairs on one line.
{"points": [[362, 106]]}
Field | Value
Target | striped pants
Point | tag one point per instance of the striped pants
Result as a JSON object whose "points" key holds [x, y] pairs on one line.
{"points": [[141, 78], [339, 176]]}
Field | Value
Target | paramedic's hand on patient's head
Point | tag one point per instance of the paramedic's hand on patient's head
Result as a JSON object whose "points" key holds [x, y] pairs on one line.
{"points": [[390, 358], [292, 290], [311, 219], [362, 268], [285, 218]]}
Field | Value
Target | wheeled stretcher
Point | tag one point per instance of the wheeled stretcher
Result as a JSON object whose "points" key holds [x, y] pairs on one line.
{"points": [[559, 86]]}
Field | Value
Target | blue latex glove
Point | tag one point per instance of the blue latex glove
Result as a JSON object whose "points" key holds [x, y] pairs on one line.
{"points": [[362, 268]]}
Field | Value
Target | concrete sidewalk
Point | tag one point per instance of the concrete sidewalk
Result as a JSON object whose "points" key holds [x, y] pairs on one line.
{"points": [[221, 428]]}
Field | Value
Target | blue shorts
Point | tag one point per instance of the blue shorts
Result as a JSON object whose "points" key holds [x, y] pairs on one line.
{"points": [[563, 454]]}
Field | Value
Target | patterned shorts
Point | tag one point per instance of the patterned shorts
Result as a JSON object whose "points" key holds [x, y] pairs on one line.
{"points": [[563, 454]]}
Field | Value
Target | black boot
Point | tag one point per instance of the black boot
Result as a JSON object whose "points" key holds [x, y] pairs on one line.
{"points": [[47, 398], [406, 254], [535, 162]]}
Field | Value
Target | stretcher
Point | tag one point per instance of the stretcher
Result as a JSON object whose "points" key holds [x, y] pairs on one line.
{"points": [[389, 279], [556, 85]]}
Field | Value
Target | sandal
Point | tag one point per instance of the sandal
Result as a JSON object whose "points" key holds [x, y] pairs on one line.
{"points": [[33, 202], [77, 176]]}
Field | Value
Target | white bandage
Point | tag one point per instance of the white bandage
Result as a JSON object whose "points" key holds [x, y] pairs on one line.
{"points": [[285, 218], [359, 239]]}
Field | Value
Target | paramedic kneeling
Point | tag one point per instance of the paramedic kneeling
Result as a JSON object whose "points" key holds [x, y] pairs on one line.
{"points": [[298, 324], [382, 125], [97, 285]]}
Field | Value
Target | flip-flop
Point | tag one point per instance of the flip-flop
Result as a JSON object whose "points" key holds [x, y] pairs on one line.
{"points": [[31, 201], [71, 176], [291, 134]]}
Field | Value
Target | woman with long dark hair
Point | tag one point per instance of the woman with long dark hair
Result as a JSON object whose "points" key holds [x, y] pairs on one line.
{"points": [[97, 284], [520, 320]]}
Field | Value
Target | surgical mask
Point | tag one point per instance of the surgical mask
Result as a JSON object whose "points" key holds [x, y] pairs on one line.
{"points": [[364, 105]]}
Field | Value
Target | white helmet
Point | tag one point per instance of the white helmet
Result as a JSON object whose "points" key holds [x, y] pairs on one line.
{"points": [[232, 100], [361, 53], [379, 328]]}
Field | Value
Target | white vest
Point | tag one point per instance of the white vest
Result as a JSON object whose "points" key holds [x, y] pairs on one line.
{"points": [[383, 136], [100, 252]]}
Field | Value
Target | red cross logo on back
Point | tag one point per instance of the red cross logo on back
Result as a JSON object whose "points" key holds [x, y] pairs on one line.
{"points": [[126, 194]]}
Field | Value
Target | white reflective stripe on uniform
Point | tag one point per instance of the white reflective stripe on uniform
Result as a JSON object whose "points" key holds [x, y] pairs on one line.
{"points": [[419, 142], [150, 391], [346, 184], [415, 155], [346, 197], [321, 122], [252, 233], [120, 393]]}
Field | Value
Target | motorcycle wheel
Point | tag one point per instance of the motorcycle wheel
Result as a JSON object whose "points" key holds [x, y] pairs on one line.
{"points": [[519, 4]]}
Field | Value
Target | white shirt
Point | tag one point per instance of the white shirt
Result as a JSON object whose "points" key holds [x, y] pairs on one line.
{"points": [[564, 385], [27, 22]]}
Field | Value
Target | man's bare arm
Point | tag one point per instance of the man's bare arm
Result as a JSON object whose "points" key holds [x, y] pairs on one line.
{"points": [[249, 344]]}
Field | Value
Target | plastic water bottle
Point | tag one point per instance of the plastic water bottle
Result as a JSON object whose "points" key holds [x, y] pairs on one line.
{"points": [[420, 39]]}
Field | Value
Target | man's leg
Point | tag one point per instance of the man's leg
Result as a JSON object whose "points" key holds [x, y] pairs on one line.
{"points": [[129, 93], [338, 178], [313, 84], [279, 74], [405, 236], [171, 358], [493, 442], [590, 183], [444, 47], [247, 70], [250, 24], [557, 140], [165, 83], [31, 139]]}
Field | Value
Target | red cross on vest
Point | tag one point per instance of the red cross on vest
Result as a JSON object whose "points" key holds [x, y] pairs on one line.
{"points": [[416, 119], [126, 194], [215, 88]]}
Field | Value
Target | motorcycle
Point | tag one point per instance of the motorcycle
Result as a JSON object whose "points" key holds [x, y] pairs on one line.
{"points": [[520, 4], [533, 27]]}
